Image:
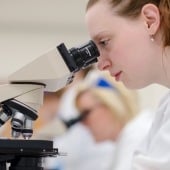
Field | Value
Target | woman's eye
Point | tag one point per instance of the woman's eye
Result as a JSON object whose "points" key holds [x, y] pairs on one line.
{"points": [[104, 42]]}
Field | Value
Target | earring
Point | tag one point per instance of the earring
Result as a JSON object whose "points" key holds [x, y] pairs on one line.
{"points": [[152, 38]]}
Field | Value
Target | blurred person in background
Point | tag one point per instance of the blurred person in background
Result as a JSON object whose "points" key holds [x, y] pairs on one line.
{"points": [[105, 107]]}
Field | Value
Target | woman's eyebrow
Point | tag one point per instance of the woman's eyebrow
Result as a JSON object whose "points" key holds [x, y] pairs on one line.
{"points": [[99, 35]]}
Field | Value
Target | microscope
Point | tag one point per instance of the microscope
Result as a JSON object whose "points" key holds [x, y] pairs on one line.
{"points": [[21, 93]]}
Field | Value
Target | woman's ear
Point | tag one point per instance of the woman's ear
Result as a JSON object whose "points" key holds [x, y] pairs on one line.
{"points": [[151, 15]]}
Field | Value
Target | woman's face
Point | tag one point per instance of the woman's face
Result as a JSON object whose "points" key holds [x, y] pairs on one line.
{"points": [[100, 120], [125, 46]]}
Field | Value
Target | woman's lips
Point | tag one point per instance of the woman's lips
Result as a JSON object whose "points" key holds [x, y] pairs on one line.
{"points": [[117, 75]]}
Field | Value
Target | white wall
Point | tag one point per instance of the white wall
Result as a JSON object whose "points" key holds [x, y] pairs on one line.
{"points": [[29, 28]]}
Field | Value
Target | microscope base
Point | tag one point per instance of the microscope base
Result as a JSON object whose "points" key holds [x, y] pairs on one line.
{"points": [[25, 154]]}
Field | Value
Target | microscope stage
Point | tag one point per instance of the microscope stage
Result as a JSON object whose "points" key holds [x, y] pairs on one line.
{"points": [[27, 147]]}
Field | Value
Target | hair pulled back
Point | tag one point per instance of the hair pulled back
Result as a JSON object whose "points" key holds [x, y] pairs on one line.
{"points": [[132, 9]]}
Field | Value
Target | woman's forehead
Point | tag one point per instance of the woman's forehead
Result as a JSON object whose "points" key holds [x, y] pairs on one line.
{"points": [[98, 20]]}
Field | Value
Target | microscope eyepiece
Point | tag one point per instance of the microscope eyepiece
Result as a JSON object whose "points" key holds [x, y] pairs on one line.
{"points": [[81, 57], [85, 55]]}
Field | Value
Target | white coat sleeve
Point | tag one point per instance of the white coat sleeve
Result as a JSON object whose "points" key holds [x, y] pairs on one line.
{"points": [[155, 153]]}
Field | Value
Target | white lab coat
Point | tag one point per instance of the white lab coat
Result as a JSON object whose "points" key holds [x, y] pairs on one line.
{"points": [[154, 153], [130, 139]]}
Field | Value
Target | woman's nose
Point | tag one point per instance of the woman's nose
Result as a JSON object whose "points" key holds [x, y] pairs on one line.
{"points": [[103, 64]]}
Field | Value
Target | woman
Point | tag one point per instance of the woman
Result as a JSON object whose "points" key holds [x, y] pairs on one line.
{"points": [[133, 37]]}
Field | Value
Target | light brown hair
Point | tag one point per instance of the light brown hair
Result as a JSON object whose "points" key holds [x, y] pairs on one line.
{"points": [[132, 9]]}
